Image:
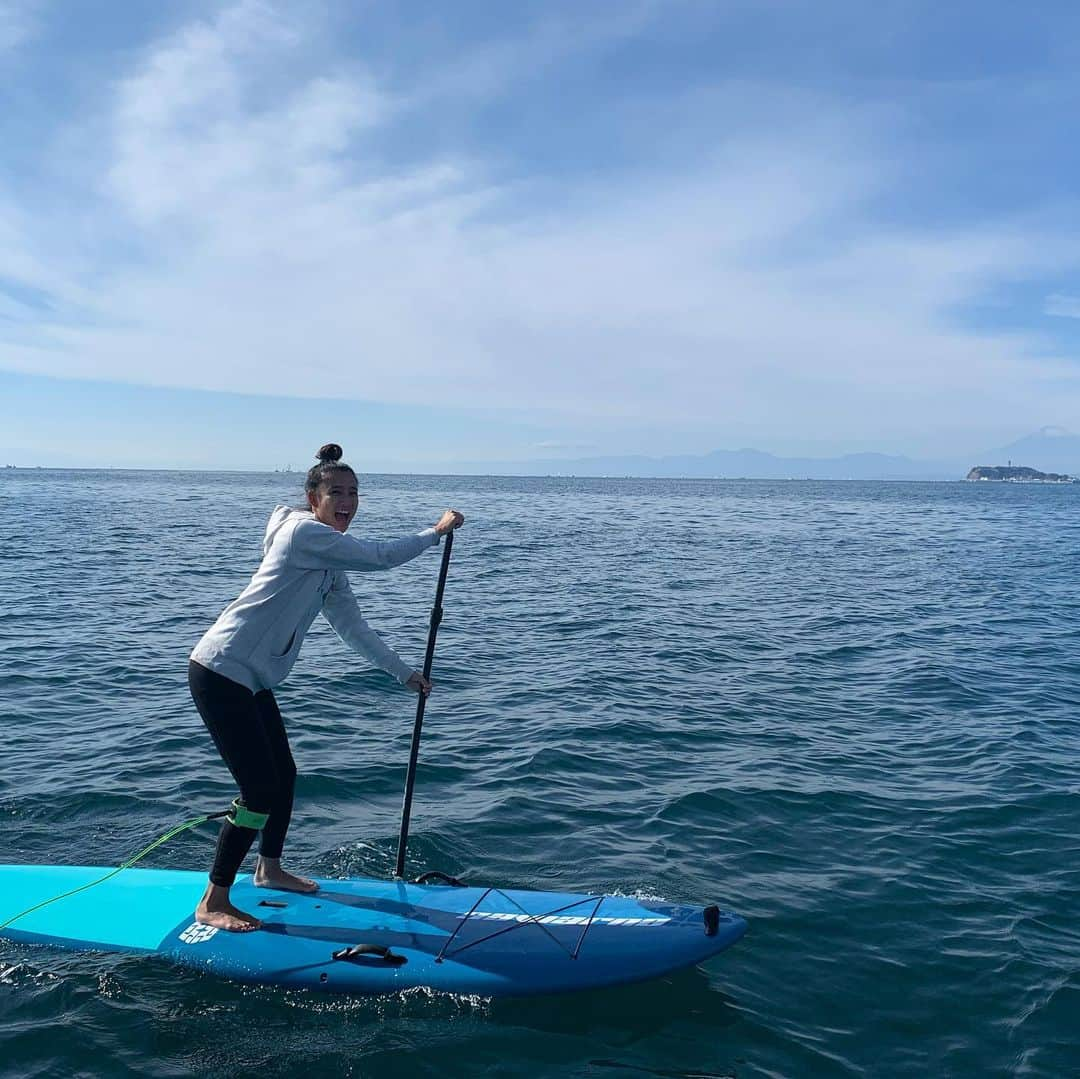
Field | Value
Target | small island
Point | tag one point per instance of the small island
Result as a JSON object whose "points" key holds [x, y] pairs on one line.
{"points": [[1015, 474]]}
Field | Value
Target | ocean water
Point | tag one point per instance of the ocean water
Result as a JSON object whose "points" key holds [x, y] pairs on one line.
{"points": [[847, 711]]}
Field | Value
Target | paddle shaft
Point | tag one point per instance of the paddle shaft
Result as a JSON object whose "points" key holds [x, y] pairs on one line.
{"points": [[414, 749]]}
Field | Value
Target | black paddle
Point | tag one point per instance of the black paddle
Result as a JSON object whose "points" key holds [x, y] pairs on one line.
{"points": [[414, 751]]}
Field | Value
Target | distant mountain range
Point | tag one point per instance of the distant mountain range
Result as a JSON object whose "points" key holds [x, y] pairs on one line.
{"points": [[1051, 449]]}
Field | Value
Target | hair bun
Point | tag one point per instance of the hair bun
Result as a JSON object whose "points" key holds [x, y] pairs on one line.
{"points": [[330, 452]]}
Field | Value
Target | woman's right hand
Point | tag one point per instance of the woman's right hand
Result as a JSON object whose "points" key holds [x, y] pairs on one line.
{"points": [[450, 520], [418, 683]]}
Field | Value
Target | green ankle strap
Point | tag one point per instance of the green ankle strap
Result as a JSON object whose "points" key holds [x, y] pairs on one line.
{"points": [[243, 817]]}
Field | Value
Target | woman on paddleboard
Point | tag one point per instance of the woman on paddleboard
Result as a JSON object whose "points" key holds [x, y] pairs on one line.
{"points": [[252, 647]]}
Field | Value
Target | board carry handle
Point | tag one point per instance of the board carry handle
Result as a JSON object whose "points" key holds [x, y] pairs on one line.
{"points": [[376, 951], [434, 874]]}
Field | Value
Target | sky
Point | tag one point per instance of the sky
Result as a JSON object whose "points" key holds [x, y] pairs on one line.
{"points": [[439, 233]]}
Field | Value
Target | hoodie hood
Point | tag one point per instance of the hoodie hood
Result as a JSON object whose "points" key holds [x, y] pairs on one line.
{"points": [[281, 516]]}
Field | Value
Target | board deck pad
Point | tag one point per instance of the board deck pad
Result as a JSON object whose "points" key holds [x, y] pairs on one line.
{"points": [[488, 941]]}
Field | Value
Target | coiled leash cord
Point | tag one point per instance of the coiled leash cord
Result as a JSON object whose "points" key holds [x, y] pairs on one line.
{"points": [[238, 814]]}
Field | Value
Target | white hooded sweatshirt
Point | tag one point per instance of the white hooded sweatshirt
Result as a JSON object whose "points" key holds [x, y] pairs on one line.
{"points": [[257, 638]]}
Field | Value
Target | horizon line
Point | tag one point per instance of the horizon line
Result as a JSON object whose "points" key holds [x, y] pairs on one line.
{"points": [[501, 475]]}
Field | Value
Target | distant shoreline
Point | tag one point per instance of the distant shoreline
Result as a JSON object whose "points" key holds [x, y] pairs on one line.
{"points": [[623, 477]]}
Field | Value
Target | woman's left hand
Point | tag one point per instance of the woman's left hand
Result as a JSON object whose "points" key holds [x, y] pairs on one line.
{"points": [[418, 683], [450, 520]]}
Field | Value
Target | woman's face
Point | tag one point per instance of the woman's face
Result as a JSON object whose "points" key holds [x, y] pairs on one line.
{"points": [[335, 500]]}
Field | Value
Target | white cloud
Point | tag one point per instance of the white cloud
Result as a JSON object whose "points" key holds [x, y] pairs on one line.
{"points": [[277, 251], [204, 128]]}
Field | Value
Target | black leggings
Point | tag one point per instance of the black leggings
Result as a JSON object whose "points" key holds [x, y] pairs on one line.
{"points": [[250, 736]]}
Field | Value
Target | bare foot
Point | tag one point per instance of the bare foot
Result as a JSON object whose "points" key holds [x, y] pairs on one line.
{"points": [[217, 910], [269, 874]]}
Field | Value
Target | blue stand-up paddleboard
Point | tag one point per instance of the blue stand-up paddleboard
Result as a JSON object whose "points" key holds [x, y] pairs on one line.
{"points": [[370, 936]]}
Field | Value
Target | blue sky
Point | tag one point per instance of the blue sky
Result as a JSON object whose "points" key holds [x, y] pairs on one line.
{"points": [[443, 233]]}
